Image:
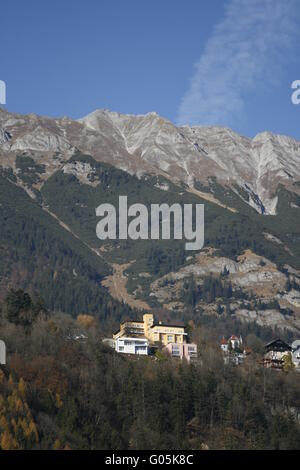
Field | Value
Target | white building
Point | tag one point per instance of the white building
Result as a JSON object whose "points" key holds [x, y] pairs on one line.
{"points": [[2, 353], [296, 353], [224, 345], [235, 341], [132, 345]]}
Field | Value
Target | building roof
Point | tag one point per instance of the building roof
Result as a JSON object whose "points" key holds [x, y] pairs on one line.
{"points": [[223, 341], [167, 325], [233, 337], [296, 344], [131, 321], [133, 338], [156, 323], [278, 344]]}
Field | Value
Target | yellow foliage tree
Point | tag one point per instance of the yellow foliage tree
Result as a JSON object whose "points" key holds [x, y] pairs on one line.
{"points": [[3, 423], [86, 320], [7, 442], [15, 415], [288, 362], [57, 445], [22, 387], [58, 400]]}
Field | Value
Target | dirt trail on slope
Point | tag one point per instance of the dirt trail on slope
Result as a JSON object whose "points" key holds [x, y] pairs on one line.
{"points": [[66, 227], [116, 284], [210, 198]]}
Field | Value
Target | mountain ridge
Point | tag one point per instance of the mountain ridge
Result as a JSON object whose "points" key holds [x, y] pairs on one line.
{"points": [[141, 144], [54, 187]]}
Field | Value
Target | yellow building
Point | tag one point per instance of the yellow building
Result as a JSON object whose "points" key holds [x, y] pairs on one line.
{"points": [[154, 332]]}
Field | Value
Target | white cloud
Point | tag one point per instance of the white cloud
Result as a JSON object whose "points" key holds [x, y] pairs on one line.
{"points": [[245, 49]]}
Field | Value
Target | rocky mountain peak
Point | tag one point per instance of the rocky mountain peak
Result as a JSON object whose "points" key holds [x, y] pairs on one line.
{"points": [[151, 144]]}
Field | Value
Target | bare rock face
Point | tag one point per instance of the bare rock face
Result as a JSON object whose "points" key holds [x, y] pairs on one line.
{"points": [[83, 172], [293, 298], [272, 318], [151, 144], [32, 133], [250, 272], [4, 136]]}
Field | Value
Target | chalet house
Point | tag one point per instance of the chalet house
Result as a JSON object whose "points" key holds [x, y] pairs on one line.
{"points": [[274, 353]]}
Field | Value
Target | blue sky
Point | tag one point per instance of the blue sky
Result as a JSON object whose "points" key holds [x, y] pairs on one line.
{"points": [[227, 62]]}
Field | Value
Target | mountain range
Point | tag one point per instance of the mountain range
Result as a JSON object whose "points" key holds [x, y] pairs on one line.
{"points": [[151, 144], [54, 172]]}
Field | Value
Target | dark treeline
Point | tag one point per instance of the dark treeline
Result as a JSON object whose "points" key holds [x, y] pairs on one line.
{"points": [[58, 392], [211, 289], [38, 256]]}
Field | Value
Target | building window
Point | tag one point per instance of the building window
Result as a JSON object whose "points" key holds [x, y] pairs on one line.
{"points": [[170, 338], [121, 348]]}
